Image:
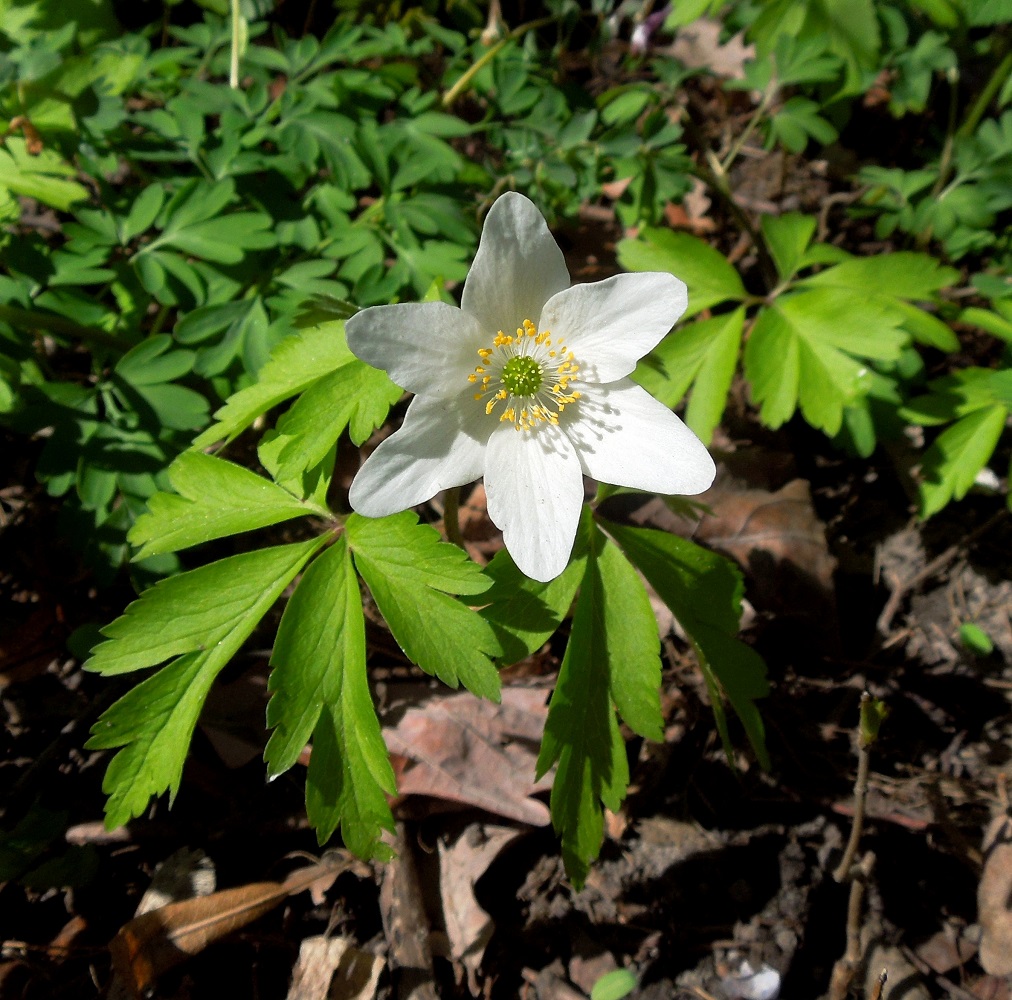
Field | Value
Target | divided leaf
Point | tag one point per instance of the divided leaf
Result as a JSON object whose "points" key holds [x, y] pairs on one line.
{"points": [[703, 591], [205, 615], [804, 351], [704, 355], [199, 609], [582, 731], [952, 462], [788, 237], [411, 573], [296, 363], [320, 688], [523, 613], [355, 394], [711, 279], [213, 498]]}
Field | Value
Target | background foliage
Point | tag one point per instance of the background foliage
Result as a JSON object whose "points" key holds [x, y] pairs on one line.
{"points": [[179, 255]]}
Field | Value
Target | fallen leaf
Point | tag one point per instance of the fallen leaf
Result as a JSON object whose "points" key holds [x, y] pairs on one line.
{"points": [[153, 942], [461, 863], [777, 539], [464, 749], [994, 893], [334, 969], [697, 46]]}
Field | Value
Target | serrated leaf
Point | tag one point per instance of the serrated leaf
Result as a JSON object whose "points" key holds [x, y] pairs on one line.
{"points": [[952, 462], [804, 351], [523, 613], [198, 609], [184, 614], [703, 591], [903, 275], [633, 645], [213, 498], [356, 396], [788, 237], [581, 732], [704, 355], [411, 574], [294, 364], [319, 688], [709, 276]]}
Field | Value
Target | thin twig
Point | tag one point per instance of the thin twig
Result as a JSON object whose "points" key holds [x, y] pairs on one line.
{"points": [[860, 795], [936, 565]]}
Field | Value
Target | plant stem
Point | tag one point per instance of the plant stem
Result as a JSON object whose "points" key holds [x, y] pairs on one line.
{"points": [[451, 516], [842, 870], [233, 70], [984, 98], [753, 123], [486, 57], [28, 319], [712, 173]]}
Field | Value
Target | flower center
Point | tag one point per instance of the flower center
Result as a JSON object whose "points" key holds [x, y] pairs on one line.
{"points": [[529, 373]]}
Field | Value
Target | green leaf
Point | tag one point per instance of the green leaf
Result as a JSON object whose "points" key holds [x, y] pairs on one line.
{"points": [[45, 177], [199, 609], [411, 574], [703, 591], [614, 985], [994, 324], [904, 275], [804, 349], [703, 355], [297, 362], [581, 731], [975, 639], [711, 279], [319, 688], [213, 498], [952, 462], [796, 122], [205, 615], [523, 613], [629, 628], [355, 394], [788, 237]]}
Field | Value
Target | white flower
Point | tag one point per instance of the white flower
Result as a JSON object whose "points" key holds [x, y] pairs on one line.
{"points": [[527, 385]]}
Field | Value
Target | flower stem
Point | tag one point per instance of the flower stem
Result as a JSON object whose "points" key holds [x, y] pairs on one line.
{"points": [[451, 519], [475, 68], [985, 97]]}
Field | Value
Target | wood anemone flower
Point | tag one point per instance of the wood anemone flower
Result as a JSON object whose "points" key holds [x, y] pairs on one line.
{"points": [[527, 385]]}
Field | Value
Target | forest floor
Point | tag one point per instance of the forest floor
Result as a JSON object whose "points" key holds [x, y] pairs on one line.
{"points": [[712, 868]]}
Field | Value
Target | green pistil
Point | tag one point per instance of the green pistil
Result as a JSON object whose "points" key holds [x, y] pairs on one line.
{"points": [[522, 376]]}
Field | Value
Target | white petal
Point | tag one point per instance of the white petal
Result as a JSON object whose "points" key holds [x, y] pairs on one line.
{"points": [[428, 348], [625, 437], [517, 269], [611, 324], [432, 451], [535, 492]]}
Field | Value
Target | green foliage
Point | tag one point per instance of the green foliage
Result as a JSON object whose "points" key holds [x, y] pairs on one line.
{"points": [[209, 242], [704, 591], [829, 340]]}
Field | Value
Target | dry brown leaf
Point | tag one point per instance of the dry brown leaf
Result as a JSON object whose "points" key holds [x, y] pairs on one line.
{"points": [[775, 536], [994, 893], [698, 47], [333, 969], [464, 749], [153, 942], [468, 927]]}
